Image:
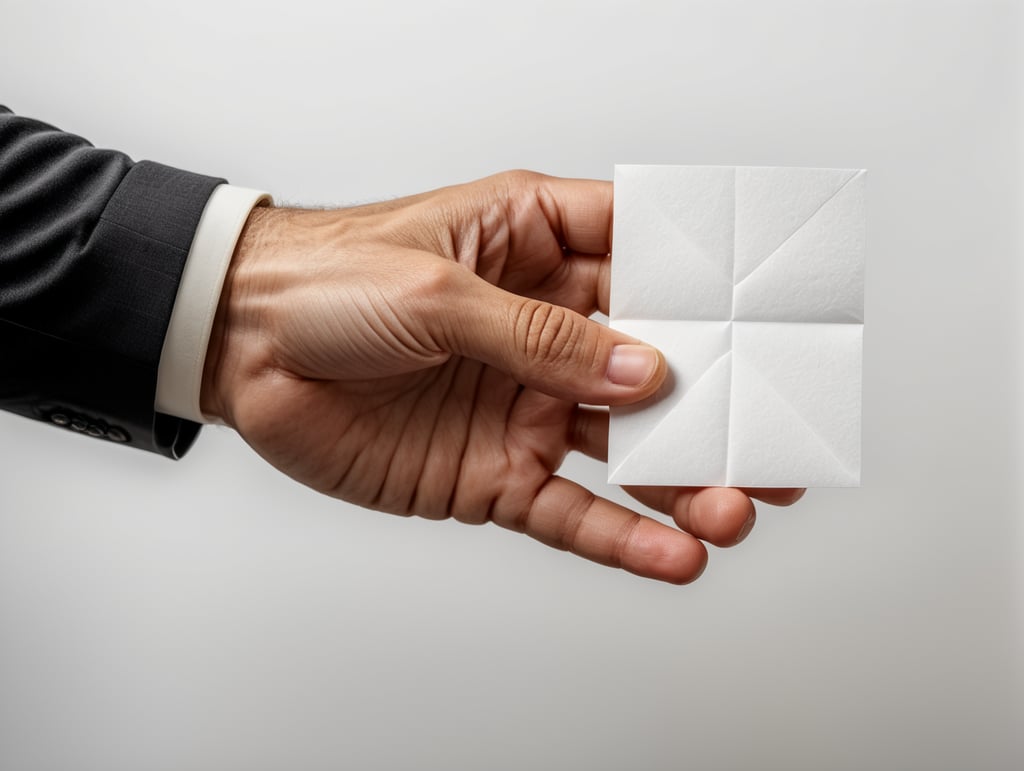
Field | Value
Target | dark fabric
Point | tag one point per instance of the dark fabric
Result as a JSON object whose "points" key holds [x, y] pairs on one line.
{"points": [[92, 247]]}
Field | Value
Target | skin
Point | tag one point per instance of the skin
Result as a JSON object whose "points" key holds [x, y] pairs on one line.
{"points": [[429, 356]]}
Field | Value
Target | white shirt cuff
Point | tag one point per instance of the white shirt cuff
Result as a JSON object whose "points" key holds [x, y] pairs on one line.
{"points": [[180, 373]]}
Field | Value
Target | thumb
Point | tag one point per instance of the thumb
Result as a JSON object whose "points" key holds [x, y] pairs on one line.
{"points": [[551, 348]]}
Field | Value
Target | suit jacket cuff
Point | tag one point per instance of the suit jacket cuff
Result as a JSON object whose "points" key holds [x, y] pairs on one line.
{"points": [[91, 364]]}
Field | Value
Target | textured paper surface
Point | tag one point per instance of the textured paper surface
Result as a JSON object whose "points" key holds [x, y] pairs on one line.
{"points": [[751, 282]]}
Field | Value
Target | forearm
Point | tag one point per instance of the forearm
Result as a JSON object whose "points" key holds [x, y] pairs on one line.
{"points": [[91, 251]]}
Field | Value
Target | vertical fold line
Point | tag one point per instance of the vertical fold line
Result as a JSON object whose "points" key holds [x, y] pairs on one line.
{"points": [[727, 481], [735, 196], [732, 337]]}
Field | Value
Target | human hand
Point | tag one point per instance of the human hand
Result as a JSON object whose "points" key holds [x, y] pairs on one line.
{"points": [[430, 356]]}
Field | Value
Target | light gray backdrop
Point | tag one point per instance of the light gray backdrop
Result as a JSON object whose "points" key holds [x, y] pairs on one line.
{"points": [[212, 614]]}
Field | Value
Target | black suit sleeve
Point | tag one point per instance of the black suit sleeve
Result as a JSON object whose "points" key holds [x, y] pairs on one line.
{"points": [[92, 247]]}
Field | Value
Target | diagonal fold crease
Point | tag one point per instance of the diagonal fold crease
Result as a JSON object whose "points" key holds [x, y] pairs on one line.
{"points": [[668, 415], [800, 227]]}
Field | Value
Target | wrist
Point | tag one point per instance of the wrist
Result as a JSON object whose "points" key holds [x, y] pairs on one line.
{"points": [[235, 320], [256, 306]]}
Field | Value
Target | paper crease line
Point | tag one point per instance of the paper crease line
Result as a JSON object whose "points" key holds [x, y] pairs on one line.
{"points": [[814, 432], [799, 227], [671, 412], [724, 271]]}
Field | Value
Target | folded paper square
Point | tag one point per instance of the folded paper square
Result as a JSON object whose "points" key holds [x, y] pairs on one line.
{"points": [[751, 282]]}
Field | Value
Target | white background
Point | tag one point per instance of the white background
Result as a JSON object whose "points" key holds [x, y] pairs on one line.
{"points": [[212, 614]]}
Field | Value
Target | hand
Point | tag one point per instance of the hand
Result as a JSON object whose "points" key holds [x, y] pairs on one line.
{"points": [[430, 355]]}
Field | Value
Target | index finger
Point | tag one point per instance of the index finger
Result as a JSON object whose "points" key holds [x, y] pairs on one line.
{"points": [[577, 212], [582, 210]]}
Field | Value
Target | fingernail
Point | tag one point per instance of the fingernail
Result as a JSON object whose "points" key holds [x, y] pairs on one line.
{"points": [[747, 527], [632, 365]]}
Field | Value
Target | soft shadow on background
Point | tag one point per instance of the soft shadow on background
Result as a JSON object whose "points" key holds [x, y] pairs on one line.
{"points": [[212, 614]]}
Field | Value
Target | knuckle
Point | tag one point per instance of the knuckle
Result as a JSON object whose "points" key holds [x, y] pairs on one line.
{"points": [[578, 435], [575, 516], [548, 332], [435, 287], [518, 180], [427, 298], [435, 515], [435, 279], [623, 539], [477, 516]]}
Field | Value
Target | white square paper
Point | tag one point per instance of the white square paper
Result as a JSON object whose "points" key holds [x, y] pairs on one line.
{"points": [[751, 282]]}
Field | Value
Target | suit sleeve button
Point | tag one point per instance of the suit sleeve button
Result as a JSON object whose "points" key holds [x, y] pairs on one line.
{"points": [[60, 419], [116, 434], [78, 424], [94, 430]]}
